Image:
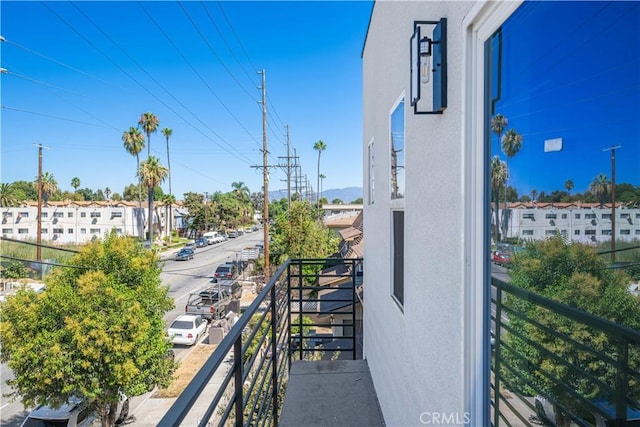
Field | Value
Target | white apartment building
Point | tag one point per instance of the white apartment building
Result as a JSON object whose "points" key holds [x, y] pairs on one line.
{"points": [[577, 222], [79, 222]]}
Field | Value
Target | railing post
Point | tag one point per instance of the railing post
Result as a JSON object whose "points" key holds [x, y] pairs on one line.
{"points": [[289, 315], [238, 383], [274, 354], [622, 382], [496, 357], [300, 278], [353, 306]]}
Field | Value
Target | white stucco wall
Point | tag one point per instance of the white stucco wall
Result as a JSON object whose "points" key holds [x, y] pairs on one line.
{"points": [[427, 357]]}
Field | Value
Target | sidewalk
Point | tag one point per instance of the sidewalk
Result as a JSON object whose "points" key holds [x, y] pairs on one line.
{"points": [[147, 410]]}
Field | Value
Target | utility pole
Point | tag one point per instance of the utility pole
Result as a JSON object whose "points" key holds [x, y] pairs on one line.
{"points": [[287, 167], [613, 200], [206, 212], [265, 177], [39, 219]]}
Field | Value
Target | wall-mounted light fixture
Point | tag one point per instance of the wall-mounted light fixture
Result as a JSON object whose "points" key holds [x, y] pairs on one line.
{"points": [[429, 64]]}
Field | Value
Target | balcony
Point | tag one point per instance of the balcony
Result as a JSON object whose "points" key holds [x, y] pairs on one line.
{"points": [[294, 358]]}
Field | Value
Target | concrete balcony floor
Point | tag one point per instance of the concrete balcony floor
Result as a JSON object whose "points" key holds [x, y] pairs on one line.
{"points": [[330, 393]]}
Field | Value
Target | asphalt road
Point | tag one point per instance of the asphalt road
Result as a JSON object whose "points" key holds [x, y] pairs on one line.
{"points": [[182, 277]]}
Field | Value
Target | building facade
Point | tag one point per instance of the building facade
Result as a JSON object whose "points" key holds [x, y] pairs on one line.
{"points": [[435, 75], [80, 222]]}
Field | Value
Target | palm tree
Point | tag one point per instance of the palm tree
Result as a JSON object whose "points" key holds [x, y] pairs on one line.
{"points": [[568, 184], [499, 175], [8, 195], [242, 194], [167, 132], [322, 177], [319, 146], [134, 144], [149, 123], [534, 194], [49, 185], [600, 187], [169, 200], [107, 192], [75, 183], [152, 174]]}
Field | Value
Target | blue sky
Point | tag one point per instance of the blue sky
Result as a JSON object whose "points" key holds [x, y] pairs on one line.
{"points": [[80, 74], [578, 78]]}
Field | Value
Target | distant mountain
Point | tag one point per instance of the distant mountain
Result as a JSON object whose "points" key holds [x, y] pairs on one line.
{"points": [[347, 195]]}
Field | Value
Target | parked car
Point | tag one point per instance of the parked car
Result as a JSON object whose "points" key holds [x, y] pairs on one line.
{"points": [[225, 271], [232, 287], [71, 414], [184, 254], [187, 329], [201, 242], [232, 234], [191, 245], [501, 258]]}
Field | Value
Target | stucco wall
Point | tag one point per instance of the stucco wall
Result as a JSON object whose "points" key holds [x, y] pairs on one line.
{"points": [[416, 354]]}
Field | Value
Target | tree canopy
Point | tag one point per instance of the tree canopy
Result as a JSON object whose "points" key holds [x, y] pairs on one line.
{"points": [[95, 332]]}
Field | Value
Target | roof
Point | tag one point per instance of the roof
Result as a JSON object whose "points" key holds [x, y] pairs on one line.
{"points": [[336, 299]]}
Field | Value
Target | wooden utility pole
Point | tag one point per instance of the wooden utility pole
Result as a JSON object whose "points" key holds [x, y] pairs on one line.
{"points": [[265, 177], [613, 200], [39, 230]]}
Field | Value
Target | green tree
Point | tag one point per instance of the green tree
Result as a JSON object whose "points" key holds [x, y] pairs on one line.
{"points": [[169, 200], [75, 183], [575, 275], [296, 234], [337, 202], [600, 188], [499, 176], [152, 174], [149, 124], [568, 184], [319, 146], [95, 332], [49, 185], [15, 270], [8, 195], [357, 201], [134, 144]]}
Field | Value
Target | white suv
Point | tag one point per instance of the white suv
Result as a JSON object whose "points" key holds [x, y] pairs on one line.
{"points": [[71, 414]]}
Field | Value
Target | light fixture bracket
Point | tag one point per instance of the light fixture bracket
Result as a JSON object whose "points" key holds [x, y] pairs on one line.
{"points": [[423, 50]]}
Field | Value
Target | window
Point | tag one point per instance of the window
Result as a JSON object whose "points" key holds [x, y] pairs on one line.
{"points": [[372, 174], [44, 231], [397, 151], [550, 216], [95, 214], [549, 232], [83, 214], [7, 231], [94, 231], [538, 85], [7, 214], [23, 214], [398, 256], [58, 214], [527, 232], [116, 214], [45, 214], [69, 230], [83, 231], [564, 216], [58, 230], [625, 232], [23, 231], [119, 231], [529, 216], [69, 214], [625, 216]]}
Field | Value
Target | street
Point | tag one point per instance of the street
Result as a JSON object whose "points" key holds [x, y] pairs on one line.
{"points": [[182, 277]]}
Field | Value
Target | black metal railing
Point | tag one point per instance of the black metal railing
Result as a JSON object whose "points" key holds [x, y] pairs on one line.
{"points": [[554, 361], [295, 316]]}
